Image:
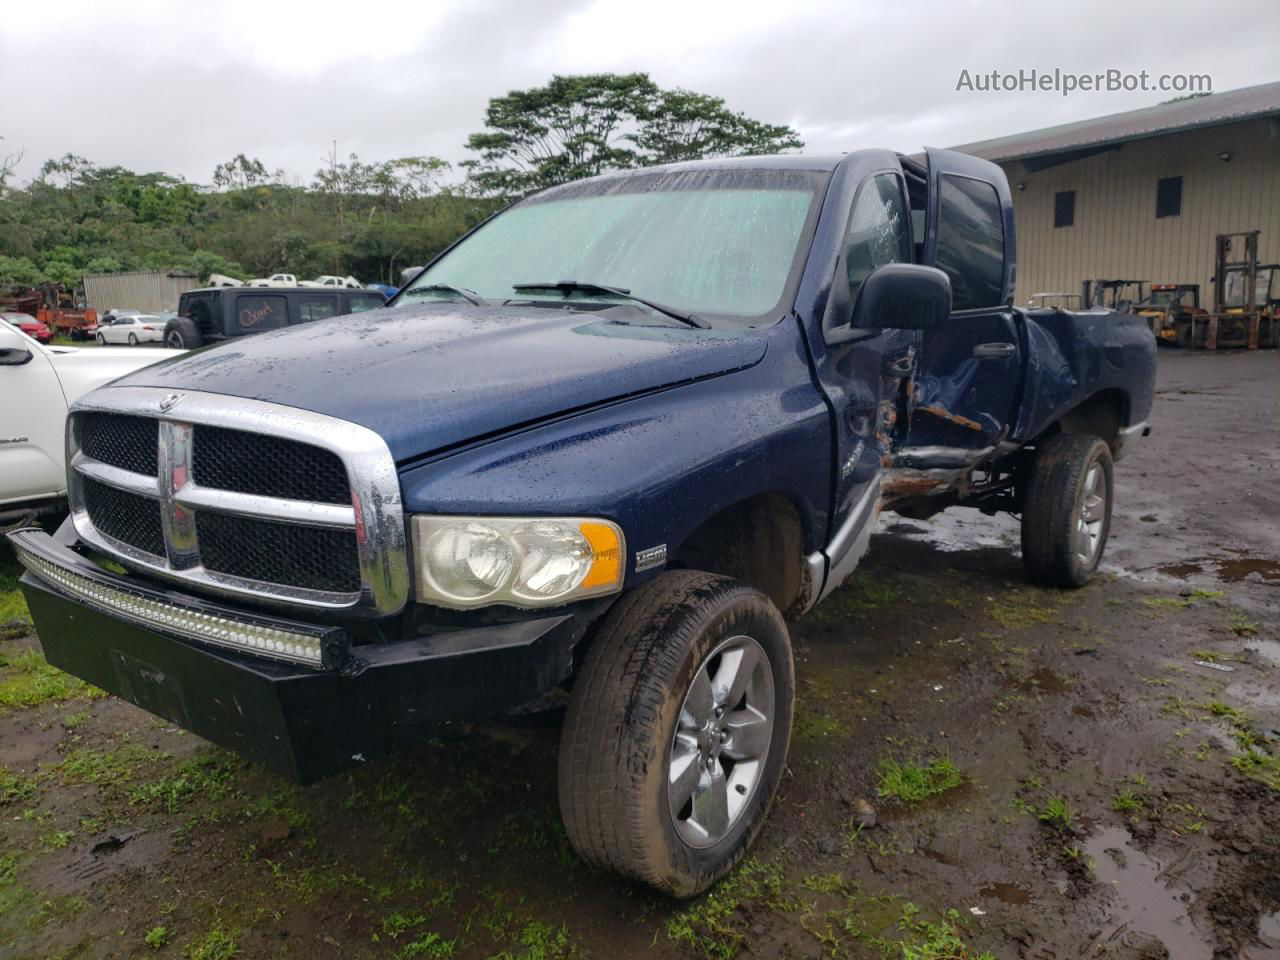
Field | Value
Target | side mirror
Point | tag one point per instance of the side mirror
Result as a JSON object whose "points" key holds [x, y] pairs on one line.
{"points": [[903, 296], [14, 356]]}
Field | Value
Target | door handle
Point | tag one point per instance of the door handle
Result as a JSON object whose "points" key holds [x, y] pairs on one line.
{"points": [[994, 351]]}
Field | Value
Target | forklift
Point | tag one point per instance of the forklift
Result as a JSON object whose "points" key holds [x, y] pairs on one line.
{"points": [[1171, 310], [1243, 314], [1120, 295]]}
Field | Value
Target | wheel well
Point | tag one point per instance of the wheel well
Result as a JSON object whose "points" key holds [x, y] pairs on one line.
{"points": [[1102, 415], [760, 541]]}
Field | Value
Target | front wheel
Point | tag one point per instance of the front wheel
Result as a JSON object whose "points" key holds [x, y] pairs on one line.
{"points": [[1066, 511], [677, 733], [133, 339], [102, 340]]}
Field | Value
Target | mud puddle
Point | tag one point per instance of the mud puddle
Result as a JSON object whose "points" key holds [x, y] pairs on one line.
{"points": [[1226, 569], [1269, 929], [1143, 904], [1007, 893]]}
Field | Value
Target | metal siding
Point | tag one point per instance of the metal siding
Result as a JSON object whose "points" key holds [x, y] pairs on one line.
{"points": [[1116, 233], [150, 291]]}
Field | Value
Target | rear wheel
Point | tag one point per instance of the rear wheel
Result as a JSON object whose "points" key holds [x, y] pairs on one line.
{"points": [[677, 733], [181, 333], [1066, 515]]}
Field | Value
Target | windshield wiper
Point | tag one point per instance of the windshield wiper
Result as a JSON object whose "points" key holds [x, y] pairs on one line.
{"points": [[567, 286], [469, 295]]}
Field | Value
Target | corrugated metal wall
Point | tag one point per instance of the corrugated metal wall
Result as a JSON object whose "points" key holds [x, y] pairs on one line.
{"points": [[151, 291], [1116, 233]]}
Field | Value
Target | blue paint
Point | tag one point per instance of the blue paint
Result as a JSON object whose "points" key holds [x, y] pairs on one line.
{"points": [[608, 410]]}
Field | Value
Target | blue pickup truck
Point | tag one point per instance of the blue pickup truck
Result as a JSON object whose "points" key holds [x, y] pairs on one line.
{"points": [[606, 444]]}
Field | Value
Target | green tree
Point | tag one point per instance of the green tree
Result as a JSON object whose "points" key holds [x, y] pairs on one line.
{"points": [[571, 128], [681, 125], [579, 126]]}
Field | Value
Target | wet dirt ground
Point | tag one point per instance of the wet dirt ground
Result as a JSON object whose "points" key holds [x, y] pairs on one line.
{"points": [[1120, 793]]}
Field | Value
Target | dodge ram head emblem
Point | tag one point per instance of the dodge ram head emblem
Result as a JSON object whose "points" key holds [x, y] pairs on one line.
{"points": [[167, 402]]}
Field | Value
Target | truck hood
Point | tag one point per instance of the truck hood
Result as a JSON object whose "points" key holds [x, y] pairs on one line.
{"points": [[430, 376]]}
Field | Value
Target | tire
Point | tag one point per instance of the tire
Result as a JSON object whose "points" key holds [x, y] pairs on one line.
{"points": [[102, 340], [1064, 526], [629, 702], [181, 333], [1184, 335], [133, 339]]}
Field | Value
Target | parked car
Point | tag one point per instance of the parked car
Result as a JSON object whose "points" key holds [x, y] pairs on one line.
{"points": [[328, 280], [29, 325], [219, 313], [275, 280], [36, 384], [612, 437], [133, 330]]}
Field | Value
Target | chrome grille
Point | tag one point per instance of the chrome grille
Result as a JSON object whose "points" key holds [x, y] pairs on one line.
{"points": [[309, 557], [269, 466], [125, 442], [126, 517], [239, 497]]}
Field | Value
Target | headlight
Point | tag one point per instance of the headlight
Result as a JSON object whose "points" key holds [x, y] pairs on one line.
{"points": [[465, 562]]}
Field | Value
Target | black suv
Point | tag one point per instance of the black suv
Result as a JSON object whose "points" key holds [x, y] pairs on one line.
{"points": [[220, 313]]}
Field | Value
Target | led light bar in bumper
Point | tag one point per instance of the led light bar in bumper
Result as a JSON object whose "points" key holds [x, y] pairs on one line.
{"points": [[73, 575]]}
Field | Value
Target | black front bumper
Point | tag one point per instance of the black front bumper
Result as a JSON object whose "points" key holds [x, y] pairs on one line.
{"points": [[301, 722]]}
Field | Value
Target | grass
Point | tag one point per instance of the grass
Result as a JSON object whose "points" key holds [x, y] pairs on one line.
{"points": [[1263, 767], [1126, 802], [15, 788], [939, 940], [27, 680], [429, 946], [1024, 607], [207, 776], [908, 784], [712, 927], [1242, 626], [13, 606], [217, 944], [1057, 812], [156, 937]]}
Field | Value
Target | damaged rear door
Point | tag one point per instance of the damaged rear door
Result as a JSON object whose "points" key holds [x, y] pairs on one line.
{"points": [[970, 369]]}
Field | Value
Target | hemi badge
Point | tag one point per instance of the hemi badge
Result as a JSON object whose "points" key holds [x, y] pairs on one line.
{"points": [[653, 557]]}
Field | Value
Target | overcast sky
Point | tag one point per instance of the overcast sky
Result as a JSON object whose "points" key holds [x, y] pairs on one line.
{"points": [[179, 87]]}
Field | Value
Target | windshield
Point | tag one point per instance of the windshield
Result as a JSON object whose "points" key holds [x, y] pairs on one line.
{"points": [[711, 242]]}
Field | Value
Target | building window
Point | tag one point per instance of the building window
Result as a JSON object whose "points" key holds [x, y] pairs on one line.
{"points": [[1064, 208], [1168, 197]]}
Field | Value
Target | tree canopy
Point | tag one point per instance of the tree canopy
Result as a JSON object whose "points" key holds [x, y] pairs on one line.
{"points": [[369, 218], [580, 126]]}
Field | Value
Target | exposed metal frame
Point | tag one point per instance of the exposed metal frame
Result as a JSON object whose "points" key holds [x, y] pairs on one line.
{"points": [[375, 515]]}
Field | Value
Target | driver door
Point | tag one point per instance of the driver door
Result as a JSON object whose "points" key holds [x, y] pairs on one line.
{"points": [[970, 368]]}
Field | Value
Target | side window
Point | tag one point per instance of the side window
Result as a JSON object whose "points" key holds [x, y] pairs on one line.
{"points": [[878, 230], [254, 313], [971, 242], [316, 308]]}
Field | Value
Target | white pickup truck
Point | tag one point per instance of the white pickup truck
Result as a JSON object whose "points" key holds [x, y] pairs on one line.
{"points": [[37, 384]]}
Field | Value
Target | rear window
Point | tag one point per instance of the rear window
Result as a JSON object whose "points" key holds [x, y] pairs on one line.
{"points": [[256, 312]]}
